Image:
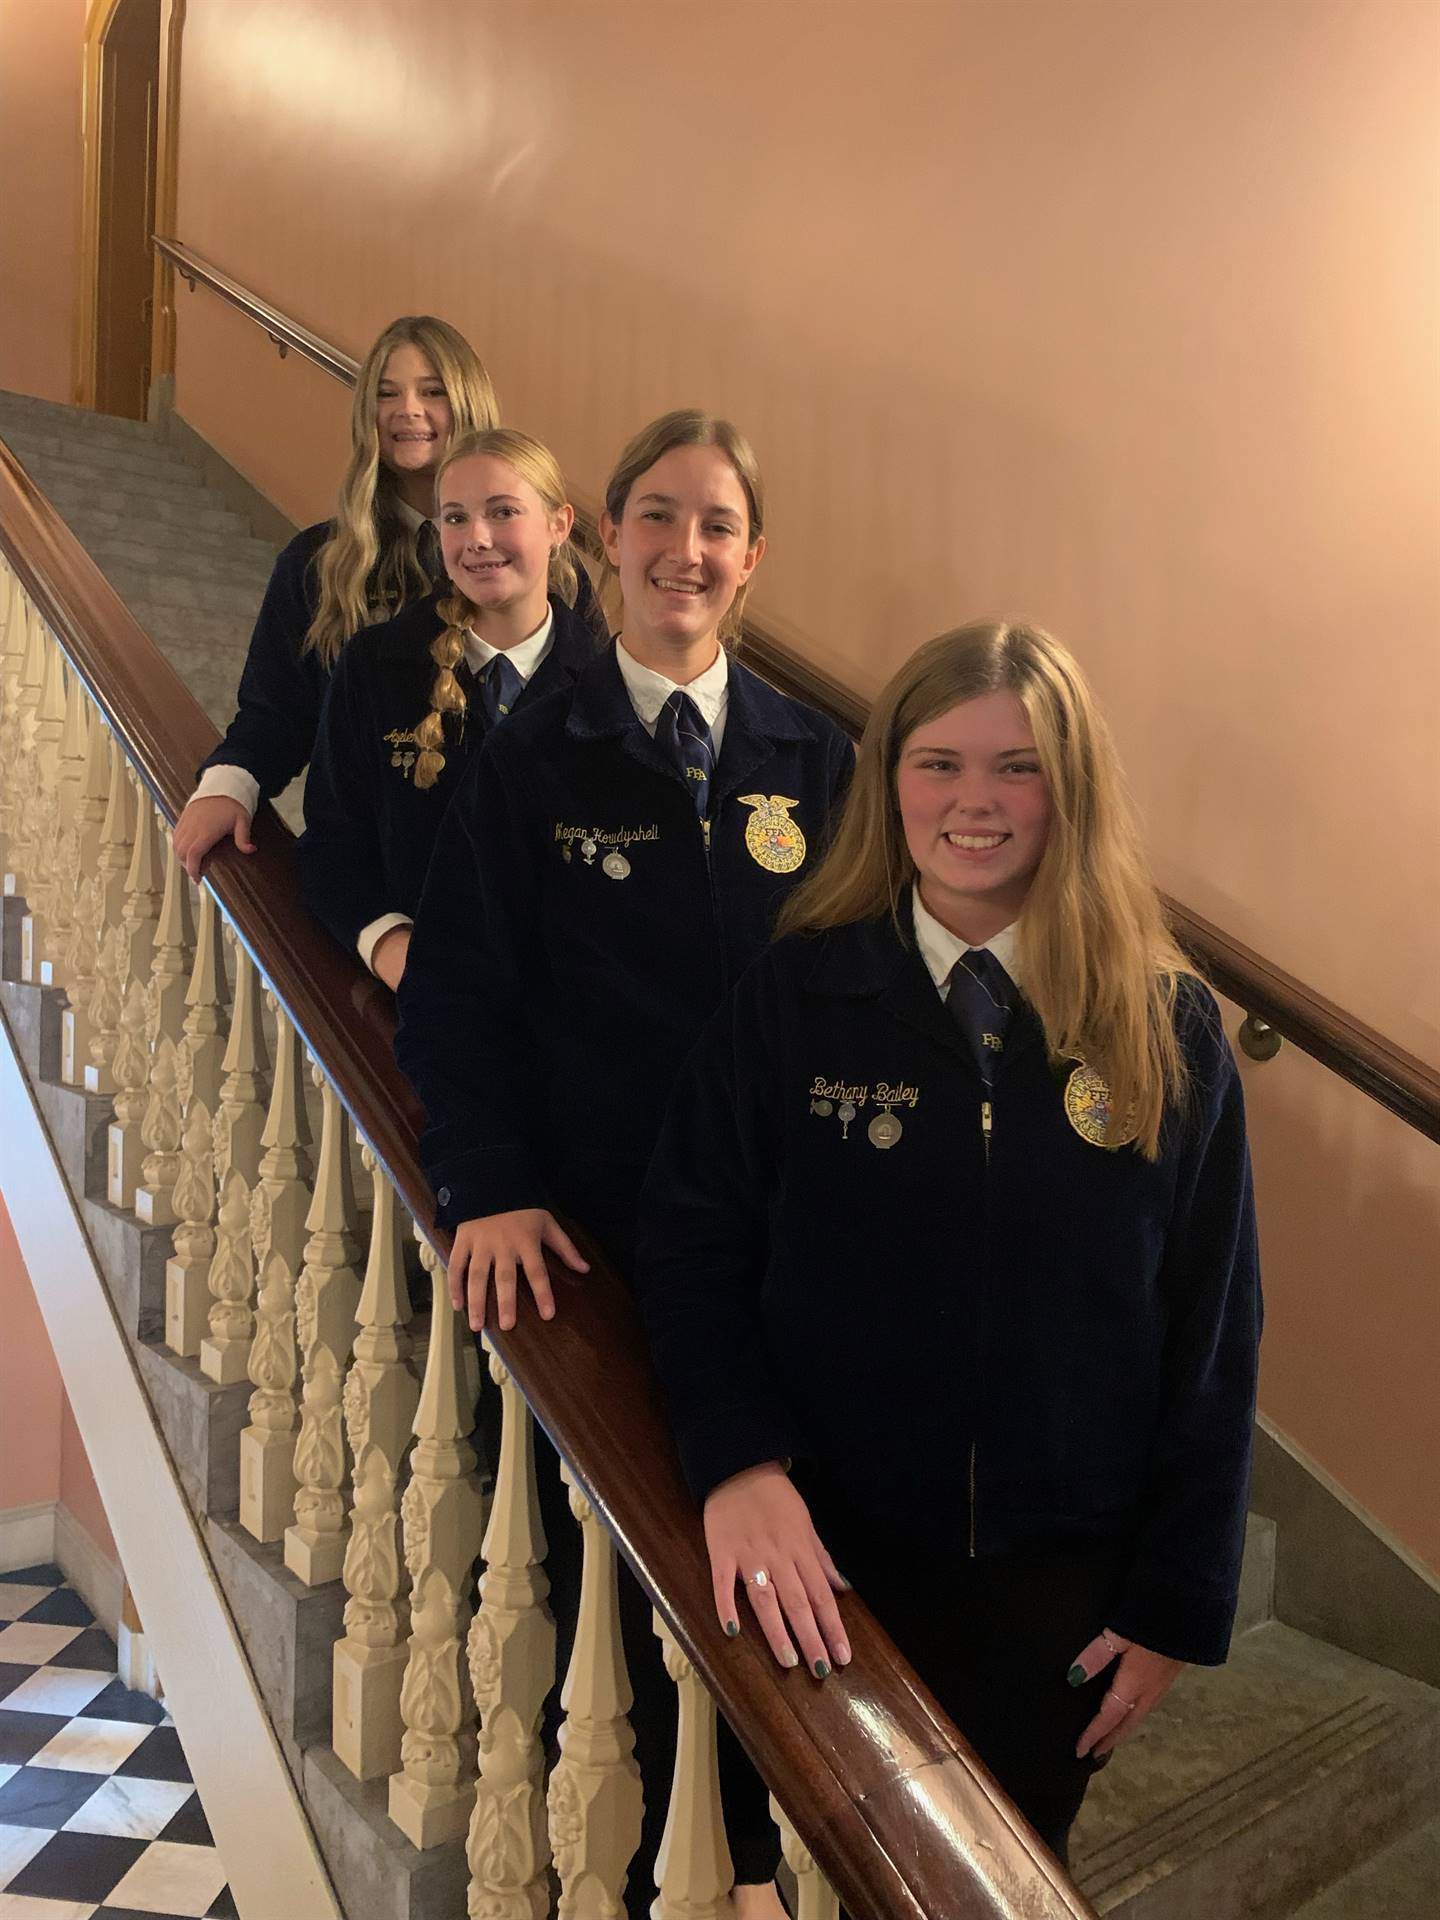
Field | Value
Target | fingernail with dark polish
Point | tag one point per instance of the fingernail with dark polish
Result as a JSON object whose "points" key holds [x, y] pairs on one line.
{"points": [[732, 1627], [1077, 1675], [822, 1670]]}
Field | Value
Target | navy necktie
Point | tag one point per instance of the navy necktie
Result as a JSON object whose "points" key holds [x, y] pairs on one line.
{"points": [[427, 552], [500, 687], [685, 736], [981, 999]]}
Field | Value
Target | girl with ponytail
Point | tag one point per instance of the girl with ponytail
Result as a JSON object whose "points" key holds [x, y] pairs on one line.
{"points": [[420, 384], [411, 700]]}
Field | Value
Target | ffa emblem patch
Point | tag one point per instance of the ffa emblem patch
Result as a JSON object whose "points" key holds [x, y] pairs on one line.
{"points": [[1087, 1108], [772, 839]]}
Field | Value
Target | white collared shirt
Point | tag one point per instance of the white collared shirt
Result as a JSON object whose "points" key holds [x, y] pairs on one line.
{"points": [[524, 657], [649, 691], [940, 949]]}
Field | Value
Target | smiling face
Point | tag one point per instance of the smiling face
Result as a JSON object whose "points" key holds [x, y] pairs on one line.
{"points": [[412, 414], [975, 807], [497, 535], [682, 549]]}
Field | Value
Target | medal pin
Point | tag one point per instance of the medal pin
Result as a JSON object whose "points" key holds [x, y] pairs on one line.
{"points": [[846, 1111]]}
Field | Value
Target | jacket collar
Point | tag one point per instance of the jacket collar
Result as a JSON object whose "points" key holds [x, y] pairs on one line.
{"points": [[756, 719], [878, 959]]}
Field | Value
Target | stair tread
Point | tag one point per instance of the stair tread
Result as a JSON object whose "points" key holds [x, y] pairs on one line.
{"points": [[1203, 1760], [1400, 1883]]}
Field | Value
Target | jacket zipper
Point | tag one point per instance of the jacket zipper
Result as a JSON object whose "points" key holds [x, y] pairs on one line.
{"points": [[987, 1124]]}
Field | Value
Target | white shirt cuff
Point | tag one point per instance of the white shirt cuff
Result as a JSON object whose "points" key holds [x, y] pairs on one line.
{"points": [[229, 783], [371, 936]]}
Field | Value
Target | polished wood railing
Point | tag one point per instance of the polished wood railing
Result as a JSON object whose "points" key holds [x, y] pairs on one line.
{"points": [[202, 1017], [1278, 1005]]}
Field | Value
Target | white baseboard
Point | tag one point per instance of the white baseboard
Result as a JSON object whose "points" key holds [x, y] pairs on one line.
{"points": [[27, 1536], [92, 1573], [48, 1531]]}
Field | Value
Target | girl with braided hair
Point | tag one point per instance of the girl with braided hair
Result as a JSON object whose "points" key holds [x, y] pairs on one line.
{"points": [[420, 384], [412, 699]]}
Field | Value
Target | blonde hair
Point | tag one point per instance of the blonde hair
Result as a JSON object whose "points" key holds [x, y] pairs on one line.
{"points": [[1099, 965], [537, 465], [371, 553], [685, 427]]}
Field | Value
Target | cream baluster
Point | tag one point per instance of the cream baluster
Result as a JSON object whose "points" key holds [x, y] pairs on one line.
{"points": [[818, 1899], [144, 888], [187, 1272], [14, 638], [512, 1668], [117, 835], [693, 1872], [163, 1123], [74, 754], [23, 771], [69, 871], [431, 1798], [81, 956], [130, 1070], [239, 1123], [326, 1296], [42, 875], [277, 1227], [596, 1801], [381, 1396], [206, 1026], [103, 1013], [94, 788]]}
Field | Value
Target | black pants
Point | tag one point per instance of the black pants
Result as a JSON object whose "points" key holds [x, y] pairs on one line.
{"points": [[994, 1639]]}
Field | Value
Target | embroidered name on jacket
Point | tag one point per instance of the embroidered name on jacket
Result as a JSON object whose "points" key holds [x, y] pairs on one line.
{"points": [[885, 1093], [404, 748]]}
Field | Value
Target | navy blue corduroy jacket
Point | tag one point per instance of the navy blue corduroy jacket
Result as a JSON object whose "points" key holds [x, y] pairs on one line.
{"points": [[369, 829], [282, 686], [574, 935], [1028, 1340]]}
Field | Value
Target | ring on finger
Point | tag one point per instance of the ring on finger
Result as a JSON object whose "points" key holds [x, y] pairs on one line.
{"points": [[1128, 1705], [760, 1578], [1111, 1642]]}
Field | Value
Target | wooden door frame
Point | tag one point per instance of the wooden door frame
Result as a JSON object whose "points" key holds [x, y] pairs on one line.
{"points": [[99, 21]]}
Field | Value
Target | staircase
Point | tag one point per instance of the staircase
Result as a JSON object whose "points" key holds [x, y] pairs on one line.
{"points": [[1299, 1782], [184, 561]]}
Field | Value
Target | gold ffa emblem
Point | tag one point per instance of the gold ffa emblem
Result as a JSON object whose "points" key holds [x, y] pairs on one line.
{"points": [[772, 839], [1087, 1108]]}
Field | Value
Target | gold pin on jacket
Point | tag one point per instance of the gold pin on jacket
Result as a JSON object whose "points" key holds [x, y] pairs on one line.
{"points": [[1088, 1107], [772, 839]]}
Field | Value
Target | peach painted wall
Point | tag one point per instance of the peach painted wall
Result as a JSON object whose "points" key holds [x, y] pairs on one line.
{"points": [[42, 1456], [1119, 315], [40, 89]]}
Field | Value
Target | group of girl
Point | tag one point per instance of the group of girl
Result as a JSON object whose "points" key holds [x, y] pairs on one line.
{"points": [[917, 1137]]}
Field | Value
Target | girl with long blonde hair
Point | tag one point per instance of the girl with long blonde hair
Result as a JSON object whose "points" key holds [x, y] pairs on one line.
{"points": [[413, 699], [420, 383], [947, 1250]]}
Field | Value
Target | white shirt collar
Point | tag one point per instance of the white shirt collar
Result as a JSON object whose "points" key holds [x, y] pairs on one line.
{"points": [[409, 516], [940, 949], [649, 690], [525, 657]]}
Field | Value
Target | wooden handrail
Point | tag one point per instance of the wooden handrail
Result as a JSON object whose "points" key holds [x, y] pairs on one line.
{"points": [[1349, 1048], [881, 1786]]}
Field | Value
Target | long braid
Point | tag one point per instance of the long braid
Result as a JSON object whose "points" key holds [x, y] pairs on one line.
{"points": [[447, 695]]}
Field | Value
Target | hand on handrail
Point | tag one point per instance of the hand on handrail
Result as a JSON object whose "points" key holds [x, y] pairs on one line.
{"points": [[205, 823], [758, 1529], [506, 1244]]}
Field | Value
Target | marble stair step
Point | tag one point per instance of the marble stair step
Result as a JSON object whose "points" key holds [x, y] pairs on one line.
{"points": [[182, 485], [1255, 1785], [185, 592], [100, 525], [1401, 1882], [203, 513], [243, 563], [152, 460], [23, 413]]}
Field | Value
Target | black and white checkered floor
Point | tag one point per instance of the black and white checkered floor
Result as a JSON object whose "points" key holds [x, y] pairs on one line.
{"points": [[98, 1815]]}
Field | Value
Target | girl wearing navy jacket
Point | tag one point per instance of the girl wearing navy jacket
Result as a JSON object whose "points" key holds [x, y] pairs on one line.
{"points": [[411, 700], [611, 862], [947, 1251], [420, 381]]}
